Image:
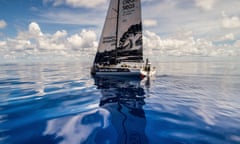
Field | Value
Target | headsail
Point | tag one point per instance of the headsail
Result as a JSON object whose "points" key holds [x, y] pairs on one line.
{"points": [[107, 46], [129, 41]]}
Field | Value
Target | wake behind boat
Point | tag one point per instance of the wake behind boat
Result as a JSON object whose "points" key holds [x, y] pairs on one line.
{"points": [[120, 50]]}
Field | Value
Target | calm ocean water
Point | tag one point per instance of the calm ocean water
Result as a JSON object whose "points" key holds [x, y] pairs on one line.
{"points": [[60, 103]]}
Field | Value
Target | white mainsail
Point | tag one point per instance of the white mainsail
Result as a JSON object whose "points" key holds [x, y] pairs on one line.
{"points": [[129, 40], [121, 39]]}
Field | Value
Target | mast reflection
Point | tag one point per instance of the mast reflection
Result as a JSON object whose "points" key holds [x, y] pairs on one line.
{"points": [[124, 99]]}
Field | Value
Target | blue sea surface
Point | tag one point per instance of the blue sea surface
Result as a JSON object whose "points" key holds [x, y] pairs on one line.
{"points": [[186, 102]]}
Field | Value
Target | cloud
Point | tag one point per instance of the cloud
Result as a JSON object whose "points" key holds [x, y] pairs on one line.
{"points": [[227, 37], [205, 4], [237, 44], [64, 17], [187, 45], [77, 3], [184, 46], [149, 22], [3, 24], [230, 22], [34, 29], [60, 34], [35, 43], [83, 40]]}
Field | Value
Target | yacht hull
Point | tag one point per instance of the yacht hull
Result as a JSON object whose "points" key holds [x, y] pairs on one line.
{"points": [[118, 72]]}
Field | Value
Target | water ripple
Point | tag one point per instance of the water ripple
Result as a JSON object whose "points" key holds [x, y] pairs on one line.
{"points": [[62, 103]]}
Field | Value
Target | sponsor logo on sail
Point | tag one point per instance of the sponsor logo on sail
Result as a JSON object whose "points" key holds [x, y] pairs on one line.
{"points": [[128, 4]]}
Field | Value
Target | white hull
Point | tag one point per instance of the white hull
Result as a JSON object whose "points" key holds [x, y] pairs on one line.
{"points": [[128, 72], [119, 73]]}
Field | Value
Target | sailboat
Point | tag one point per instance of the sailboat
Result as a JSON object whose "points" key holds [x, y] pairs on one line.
{"points": [[120, 50]]}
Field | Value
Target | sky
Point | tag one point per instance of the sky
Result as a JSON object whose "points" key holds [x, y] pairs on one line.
{"points": [[31, 29]]}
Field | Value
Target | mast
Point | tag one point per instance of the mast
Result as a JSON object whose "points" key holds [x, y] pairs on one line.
{"points": [[118, 7]]}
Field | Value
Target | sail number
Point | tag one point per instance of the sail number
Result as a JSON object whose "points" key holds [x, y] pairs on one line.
{"points": [[128, 4]]}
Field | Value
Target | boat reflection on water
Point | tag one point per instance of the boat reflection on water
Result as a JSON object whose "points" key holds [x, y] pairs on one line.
{"points": [[118, 118], [124, 98]]}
